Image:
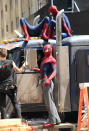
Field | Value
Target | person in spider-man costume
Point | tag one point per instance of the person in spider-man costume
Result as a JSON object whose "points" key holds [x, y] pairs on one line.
{"points": [[37, 30], [41, 28], [48, 72], [66, 28]]}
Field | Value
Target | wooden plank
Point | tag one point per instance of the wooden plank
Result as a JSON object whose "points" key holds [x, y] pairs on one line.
{"points": [[53, 129], [10, 122], [19, 128], [84, 129], [56, 127], [14, 125], [41, 130]]}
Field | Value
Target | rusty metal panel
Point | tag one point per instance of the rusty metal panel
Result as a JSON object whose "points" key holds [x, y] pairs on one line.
{"points": [[29, 90]]}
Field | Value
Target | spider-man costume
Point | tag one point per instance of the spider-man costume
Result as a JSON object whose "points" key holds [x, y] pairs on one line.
{"points": [[53, 11], [37, 30], [41, 28], [48, 65], [48, 72]]}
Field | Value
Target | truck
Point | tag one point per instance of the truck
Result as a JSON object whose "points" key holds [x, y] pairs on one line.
{"points": [[69, 73]]}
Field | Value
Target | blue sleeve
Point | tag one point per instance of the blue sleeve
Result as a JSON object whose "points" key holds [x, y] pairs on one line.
{"points": [[66, 21]]}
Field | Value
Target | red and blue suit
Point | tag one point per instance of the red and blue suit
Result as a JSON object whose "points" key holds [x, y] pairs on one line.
{"points": [[41, 28], [37, 30], [66, 28], [48, 72], [48, 69]]}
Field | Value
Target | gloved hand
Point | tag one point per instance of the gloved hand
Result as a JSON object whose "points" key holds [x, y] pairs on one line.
{"points": [[35, 69], [46, 83]]}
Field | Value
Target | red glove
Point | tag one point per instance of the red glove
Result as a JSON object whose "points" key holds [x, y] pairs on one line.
{"points": [[46, 83], [35, 69]]}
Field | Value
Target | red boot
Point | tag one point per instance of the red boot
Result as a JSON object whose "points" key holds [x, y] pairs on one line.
{"points": [[24, 28], [44, 36], [48, 125]]}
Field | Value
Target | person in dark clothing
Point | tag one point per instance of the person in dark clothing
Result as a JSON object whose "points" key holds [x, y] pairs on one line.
{"points": [[7, 84]]}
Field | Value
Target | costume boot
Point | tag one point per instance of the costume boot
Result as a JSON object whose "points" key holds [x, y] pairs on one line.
{"points": [[24, 28]]}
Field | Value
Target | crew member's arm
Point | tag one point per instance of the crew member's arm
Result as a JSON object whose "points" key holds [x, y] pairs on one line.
{"points": [[19, 70]]}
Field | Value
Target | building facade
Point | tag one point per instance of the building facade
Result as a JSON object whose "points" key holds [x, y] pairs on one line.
{"points": [[10, 13]]}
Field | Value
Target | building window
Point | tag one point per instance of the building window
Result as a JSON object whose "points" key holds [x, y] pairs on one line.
{"points": [[1, 13], [2, 33], [5, 7], [10, 4], [69, 5], [30, 10], [6, 28], [23, 14], [12, 26], [16, 1], [17, 22]]}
